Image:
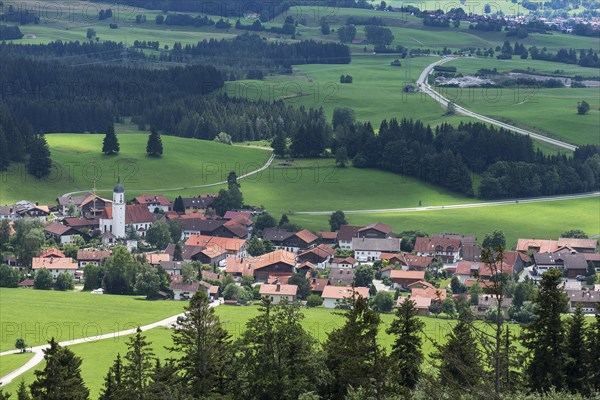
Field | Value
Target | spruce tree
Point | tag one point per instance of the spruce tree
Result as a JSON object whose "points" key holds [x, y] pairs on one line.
{"points": [[576, 369], [110, 144], [545, 337], [204, 347], [279, 144], [284, 220], [39, 163], [352, 355], [407, 355], [593, 360], [154, 148], [23, 391], [178, 205], [177, 252], [139, 361], [232, 180], [459, 366], [61, 377], [113, 382]]}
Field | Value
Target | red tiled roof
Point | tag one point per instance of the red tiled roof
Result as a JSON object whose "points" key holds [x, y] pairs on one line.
{"points": [[317, 285], [78, 222], [52, 252], [134, 214], [378, 226], [267, 289], [92, 255], [401, 274], [347, 260], [306, 236], [157, 258], [465, 267], [53, 263], [321, 250], [306, 264], [327, 235], [544, 246], [420, 302], [57, 229], [147, 199], [347, 232], [229, 244], [343, 292], [428, 245]]}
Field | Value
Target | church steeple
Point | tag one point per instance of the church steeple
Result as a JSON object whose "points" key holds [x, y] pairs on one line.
{"points": [[119, 188]]}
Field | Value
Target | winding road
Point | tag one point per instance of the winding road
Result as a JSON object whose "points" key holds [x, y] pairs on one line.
{"points": [[428, 89], [38, 351]]}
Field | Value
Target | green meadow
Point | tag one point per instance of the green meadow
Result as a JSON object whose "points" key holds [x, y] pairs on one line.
{"points": [[10, 362], [37, 315], [536, 220], [98, 356], [185, 162]]}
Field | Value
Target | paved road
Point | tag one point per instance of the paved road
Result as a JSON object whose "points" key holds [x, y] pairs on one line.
{"points": [[428, 89], [256, 171], [457, 206], [38, 355]]}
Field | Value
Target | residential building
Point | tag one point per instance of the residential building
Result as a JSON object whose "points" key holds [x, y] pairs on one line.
{"points": [[200, 203], [184, 290], [375, 231], [214, 227], [275, 264], [403, 279], [341, 276], [369, 249], [154, 202], [445, 249], [55, 265], [573, 264], [345, 235], [589, 300], [290, 241], [88, 205], [346, 262], [62, 234], [422, 304], [278, 293], [91, 256], [319, 255], [338, 296]]}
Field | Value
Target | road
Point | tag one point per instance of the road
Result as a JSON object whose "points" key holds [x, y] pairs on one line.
{"points": [[457, 206], [256, 171], [38, 354], [428, 89]]}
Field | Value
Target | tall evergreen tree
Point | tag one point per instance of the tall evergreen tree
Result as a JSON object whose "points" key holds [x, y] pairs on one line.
{"points": [[178, 205], [204, 347], [593, 360], [352, 354], [110, 144], [39, 163], [154, 148], [459, 366], [139, 362], [167, 383], [232, 180], [545, 337], [576, 368], [61, 377], [279, 144], [23, 391], [177, 252], [407, 354], [114, 389]]}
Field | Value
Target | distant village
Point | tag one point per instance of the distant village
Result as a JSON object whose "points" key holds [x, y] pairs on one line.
{"points": [[331, 261]]}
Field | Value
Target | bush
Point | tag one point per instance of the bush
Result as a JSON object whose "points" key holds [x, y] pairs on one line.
{"points": [[43, 279], [314, 300], [383, 302], [223, 137], [64, 281]]}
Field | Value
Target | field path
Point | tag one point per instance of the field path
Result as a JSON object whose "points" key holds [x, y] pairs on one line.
{"points": [[457, 206], [428, 89], [38, 354], [256, 171]]}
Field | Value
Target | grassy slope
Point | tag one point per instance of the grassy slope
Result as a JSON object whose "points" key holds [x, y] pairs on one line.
{"points": [[11, 362], [186, 162], [98, 356], [537, 220], [38, 315]]}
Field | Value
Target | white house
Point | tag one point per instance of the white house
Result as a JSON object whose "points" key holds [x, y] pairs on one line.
{"points": [[154, 202], [278, 292], [55, 265], [184, 290], [369, 249], [337, 295], [91, 256]]}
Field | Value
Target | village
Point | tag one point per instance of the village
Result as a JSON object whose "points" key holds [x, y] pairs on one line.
{"points": [[293, 263]]}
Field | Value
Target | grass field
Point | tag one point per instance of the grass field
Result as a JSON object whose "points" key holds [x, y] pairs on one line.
{"points": [[98, 356], [537, 220], [186, 162], [11, 362], [37, 315]]}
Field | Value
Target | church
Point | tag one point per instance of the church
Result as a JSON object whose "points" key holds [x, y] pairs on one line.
{"points": [[118, 218]]}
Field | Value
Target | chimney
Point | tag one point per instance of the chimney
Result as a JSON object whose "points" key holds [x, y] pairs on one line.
{"points": [[278, 287]]}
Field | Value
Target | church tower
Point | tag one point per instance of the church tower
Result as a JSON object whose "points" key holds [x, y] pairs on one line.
{"points": [[118, 210]]}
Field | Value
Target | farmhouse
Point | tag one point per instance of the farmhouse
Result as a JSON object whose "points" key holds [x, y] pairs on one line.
{"points": [[24, 209], [422, 304], [327, 237], [369, 249], [468, 272], [403, 278], [88, 205], [426, 289], [200, 203], [91, 256], [55, 265], [491, 301], [278, 292], [275, 264], [445, 249], [155, 259], [574, 264], [290, 241], [184, 290], [407, 261], [589, 300], [213, 227], [317, 285], [231, 247], [345, 235], [375, 231], [334, 296], [347, 262], [154, 202], [552, 246], [341, 276], [52, 252], [318, 255]]}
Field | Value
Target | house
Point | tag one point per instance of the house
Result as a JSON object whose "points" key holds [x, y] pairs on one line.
{"points": [[88, 205], [470, 252], [317, 285], [579, 245], [82, 223], [24, 209], [290, 241], [200, 203], [464, 239], [407, 261], [305, 267], [61, 234], [211, 291], [369, 249], [172, 267], [488, 301], [573, 264], [345, 235], [593, 259], [155, 259], [91, 256], [184, 290], [230, 247], [52, 252], [375, 231], [154, 202], [589, 300], [530, 246], [426, 289], [347, 262], [335, 296], [212, 276], [403, 278], [422, 304], [213, 227], [445, 249], [274, 264], [278, 292], [469, 272], [55, 265], [319, 255], [341, 276], [327, 237], [516, 260]]}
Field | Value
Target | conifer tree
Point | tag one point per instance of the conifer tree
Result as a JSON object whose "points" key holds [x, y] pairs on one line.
{"points": [[139, 362], [61, 377], [576, 369], [39, 163], [545, 337], [23, 391], [593, 360], [204, 347], [279, 144], [177, 253], [110, 144], [113, 382], [178, 205], [407, 355], [154, 148]]}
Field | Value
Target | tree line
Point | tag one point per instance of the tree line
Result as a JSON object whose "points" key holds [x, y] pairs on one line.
{"points": [[276, 358]]}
